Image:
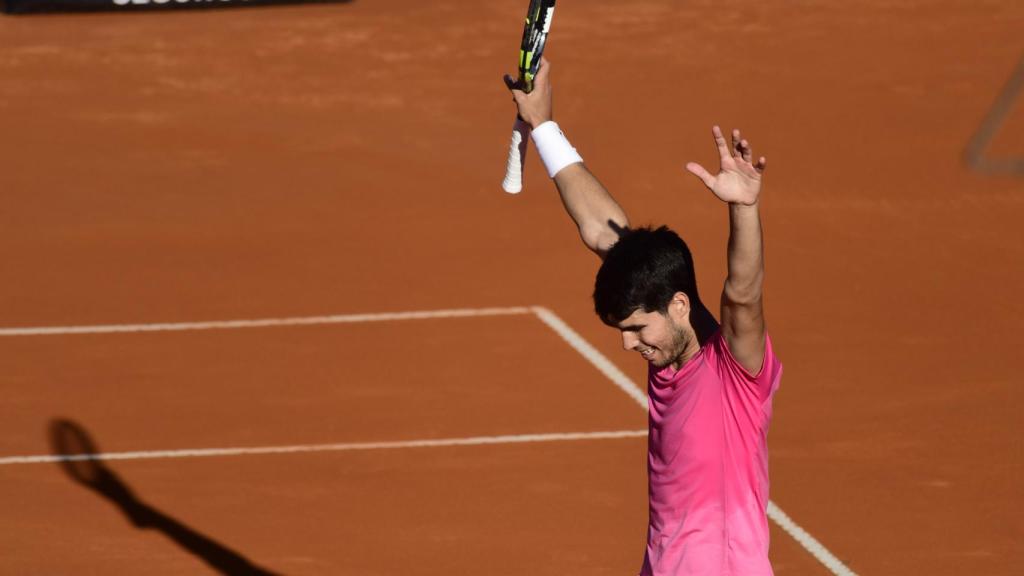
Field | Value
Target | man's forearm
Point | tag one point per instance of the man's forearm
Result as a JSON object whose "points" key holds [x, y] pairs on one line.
{"points": [[597, 215], [745, 254]]}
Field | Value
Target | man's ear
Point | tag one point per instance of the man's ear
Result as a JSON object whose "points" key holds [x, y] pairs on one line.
{"points": [[679, 307]]}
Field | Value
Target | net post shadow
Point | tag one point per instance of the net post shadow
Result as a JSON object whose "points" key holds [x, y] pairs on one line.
{"points": [[975, 155], [81, 461]]}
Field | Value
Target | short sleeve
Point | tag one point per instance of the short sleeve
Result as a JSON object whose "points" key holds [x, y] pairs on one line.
{"points": [[761, 385]]}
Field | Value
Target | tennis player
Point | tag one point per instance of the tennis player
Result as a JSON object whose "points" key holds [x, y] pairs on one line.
{"points": [[709, 385]]}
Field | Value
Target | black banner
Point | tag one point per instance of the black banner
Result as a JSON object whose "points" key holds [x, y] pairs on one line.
{"points": [[27, 6]]}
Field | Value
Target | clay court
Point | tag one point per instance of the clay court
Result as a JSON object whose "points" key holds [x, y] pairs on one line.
{"points": [[261, 257]]}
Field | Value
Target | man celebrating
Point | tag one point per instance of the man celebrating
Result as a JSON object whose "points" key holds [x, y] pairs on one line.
{"points": [[710, 385]]}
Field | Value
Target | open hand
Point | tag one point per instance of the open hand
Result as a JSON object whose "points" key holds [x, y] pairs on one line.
{"points": [[739, 178]]}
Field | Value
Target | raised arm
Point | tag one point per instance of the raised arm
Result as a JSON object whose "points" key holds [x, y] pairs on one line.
{"points": [[739, 184], [597, 215]]}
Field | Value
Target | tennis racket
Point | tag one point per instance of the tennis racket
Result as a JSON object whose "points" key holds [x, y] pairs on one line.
{"points": [[535, 35]]}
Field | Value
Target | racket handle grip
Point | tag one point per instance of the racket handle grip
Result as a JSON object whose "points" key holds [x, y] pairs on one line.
{"points": [[513, 182]]}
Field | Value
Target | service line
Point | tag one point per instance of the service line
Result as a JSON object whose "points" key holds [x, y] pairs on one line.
{"points": [[261, 323]]}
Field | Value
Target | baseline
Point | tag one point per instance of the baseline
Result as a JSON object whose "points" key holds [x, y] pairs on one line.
{"points": [[342, 447]]}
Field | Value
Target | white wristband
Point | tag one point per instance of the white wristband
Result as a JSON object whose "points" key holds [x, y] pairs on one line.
{"points": [[554, 148]]}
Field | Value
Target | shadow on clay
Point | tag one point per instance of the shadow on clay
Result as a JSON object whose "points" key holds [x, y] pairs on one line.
{"points": [[80, 460]]}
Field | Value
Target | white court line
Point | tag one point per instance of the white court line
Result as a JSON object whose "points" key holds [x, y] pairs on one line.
{"points": [[261, 323], [810, 543], [600, 361], [605, 366], [208, 452], [549, 318]]}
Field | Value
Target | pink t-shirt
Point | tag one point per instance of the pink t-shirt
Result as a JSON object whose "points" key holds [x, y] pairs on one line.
{"points": [[707, 465]]}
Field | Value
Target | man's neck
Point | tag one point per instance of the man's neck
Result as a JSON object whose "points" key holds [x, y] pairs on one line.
{"points": [[692, 349], [704, 324], [704, 327]]}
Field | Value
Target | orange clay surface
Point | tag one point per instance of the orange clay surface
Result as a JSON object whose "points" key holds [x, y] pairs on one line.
{"points": [[346, 158]]}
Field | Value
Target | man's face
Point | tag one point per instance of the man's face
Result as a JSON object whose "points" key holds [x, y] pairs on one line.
{"points": [[656, 336]]}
